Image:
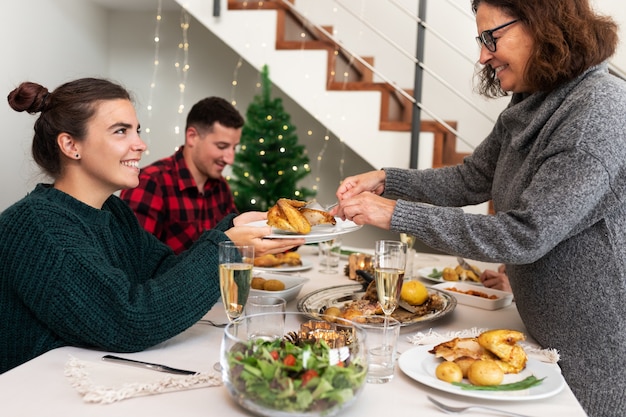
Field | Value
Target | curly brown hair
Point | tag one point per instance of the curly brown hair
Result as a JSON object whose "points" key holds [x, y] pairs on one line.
{"points": [[65, 110], [569, 37]]}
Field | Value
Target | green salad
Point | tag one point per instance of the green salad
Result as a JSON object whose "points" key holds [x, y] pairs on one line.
{"points": [[295, 378]]}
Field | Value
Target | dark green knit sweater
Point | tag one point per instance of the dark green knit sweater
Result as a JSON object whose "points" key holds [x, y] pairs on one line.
{"points": [[74, 275]]}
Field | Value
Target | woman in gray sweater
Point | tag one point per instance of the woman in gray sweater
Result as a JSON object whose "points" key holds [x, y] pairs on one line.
{"points": [[555, 168]]}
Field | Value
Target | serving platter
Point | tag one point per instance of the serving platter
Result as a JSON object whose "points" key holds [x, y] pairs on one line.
{"points": [[320, 233], [314, 303], [418, 364]]}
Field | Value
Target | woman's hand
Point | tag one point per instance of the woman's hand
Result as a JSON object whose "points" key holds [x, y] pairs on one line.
{"points": [[250, 235], [366, 208], [371, 182], [498, 280]]}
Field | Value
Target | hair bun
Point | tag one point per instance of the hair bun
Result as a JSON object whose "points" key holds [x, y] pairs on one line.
{"points": [[30, 97]]}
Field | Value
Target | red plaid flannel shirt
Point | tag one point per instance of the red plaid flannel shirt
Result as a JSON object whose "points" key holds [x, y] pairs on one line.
{"points": [[168, 204]]}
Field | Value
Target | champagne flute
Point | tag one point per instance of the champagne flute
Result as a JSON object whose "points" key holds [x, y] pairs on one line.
{"points": [[235, 266], [409, 239], [389, 264]]}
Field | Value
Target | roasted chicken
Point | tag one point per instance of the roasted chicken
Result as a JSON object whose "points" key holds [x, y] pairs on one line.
{"points": [[498, 345], [292, 216]]}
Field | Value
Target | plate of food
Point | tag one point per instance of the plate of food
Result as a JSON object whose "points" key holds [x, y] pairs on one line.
{"points": [[282, 262], [485, 298], [287, 268], [348, 301], [420, 365], [320, 233], [293, 218], [280, 285], [452, 274]]}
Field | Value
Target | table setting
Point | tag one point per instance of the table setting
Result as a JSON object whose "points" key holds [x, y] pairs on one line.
{"points": [[72, 381]]}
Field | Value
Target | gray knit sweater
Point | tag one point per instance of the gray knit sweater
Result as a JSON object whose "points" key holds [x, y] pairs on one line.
{"points": [[555, 167], [71, 274]]}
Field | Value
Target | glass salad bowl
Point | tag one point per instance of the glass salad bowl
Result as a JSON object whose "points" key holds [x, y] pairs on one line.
{"points": [[310, 368]]}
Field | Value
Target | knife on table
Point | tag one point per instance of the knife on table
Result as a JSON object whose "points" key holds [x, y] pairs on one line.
{"points": [[148, 365]]}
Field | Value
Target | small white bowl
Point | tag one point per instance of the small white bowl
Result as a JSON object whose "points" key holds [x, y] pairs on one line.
{"points": [[293, 285], [502, 299]]}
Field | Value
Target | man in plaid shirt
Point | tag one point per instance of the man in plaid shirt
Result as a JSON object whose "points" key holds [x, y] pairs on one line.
{"points": [[180, 196]]}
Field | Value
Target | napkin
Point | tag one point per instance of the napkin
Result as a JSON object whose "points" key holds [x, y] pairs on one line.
{"points": [[434, 338], [105, 383]]}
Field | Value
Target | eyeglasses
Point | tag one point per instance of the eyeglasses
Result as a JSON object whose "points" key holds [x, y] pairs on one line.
{"points": [[486, 37]]}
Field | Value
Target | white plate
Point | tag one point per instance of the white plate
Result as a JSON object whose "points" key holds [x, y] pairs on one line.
{"points": [[503, 298], [293, 285], [424, 272], [318, 234], [288, 268], [420, 365]]}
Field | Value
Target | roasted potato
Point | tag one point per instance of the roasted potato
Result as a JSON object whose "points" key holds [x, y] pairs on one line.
{"points": [[485, 372], [449, 372]]}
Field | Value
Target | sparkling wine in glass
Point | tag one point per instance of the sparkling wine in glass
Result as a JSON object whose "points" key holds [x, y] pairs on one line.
{"points": [[389, 264], [235, 263]]}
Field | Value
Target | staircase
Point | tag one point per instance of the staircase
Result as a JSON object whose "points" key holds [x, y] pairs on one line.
{"points": [[312, 69]]}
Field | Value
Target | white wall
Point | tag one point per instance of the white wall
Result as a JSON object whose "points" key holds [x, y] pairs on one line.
{"points": [[50, 42]]}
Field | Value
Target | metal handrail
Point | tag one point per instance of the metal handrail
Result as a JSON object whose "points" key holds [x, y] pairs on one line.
{"points": [[356, 56]]}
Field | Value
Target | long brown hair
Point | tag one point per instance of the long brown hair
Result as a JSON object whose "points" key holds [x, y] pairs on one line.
{"points": [[65, 110], [569, 37]]}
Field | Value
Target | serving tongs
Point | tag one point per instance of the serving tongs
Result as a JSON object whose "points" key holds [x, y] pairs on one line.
{"points": [[367, 277]]}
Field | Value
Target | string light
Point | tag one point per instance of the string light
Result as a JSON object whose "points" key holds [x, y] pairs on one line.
{"points": [[235, 82], [182, 69], [155, 68]]}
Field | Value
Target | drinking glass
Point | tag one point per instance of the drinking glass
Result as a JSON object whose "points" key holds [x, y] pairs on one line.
{"points": [[389, 264], [409, 239], [235, 263], [260, 324], [329, 253]]}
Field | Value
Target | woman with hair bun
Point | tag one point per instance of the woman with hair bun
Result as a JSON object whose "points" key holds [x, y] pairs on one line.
{"points": [[76, 267]]}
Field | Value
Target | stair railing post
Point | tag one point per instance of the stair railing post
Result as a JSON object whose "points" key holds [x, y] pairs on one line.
{"points": [[216, 8], [417, 89]]}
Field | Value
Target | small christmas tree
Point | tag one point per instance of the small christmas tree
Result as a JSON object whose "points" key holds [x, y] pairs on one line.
{"points": [[270, 163]]}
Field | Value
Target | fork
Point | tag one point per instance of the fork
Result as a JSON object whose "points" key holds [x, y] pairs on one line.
{"points": [[212, 323], [458, 410]]}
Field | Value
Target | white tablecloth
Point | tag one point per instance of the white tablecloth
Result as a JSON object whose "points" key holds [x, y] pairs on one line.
{"points": [[39, 386]]}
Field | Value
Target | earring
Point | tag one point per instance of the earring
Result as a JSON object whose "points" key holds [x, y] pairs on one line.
{"points": [[77, 156]]}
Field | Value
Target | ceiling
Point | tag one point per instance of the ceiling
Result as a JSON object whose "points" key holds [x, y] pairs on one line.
{"points": [[138, 5]]}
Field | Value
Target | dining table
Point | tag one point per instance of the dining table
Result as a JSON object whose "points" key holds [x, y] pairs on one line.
{"points": [[41, 386]]}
